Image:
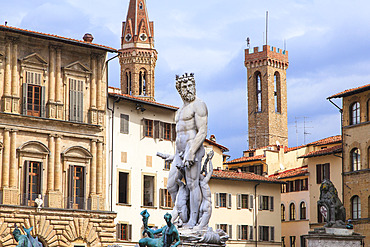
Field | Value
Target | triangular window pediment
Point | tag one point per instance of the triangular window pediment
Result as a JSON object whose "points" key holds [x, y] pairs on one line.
{"points": [[78, 66], [34, 58]]}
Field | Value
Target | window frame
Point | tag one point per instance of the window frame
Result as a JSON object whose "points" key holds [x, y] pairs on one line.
{"points": [[355, 113], [322, 172], [126, 201], [148, 128], [223, 200], [76, 99], [282, 209], [124, 123], [303, 211], [150, 203], [292, 214], [355, 156], [356, 211]]}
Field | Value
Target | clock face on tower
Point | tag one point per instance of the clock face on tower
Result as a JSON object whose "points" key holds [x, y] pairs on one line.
{"points": [[128, 37], [143, 37]]}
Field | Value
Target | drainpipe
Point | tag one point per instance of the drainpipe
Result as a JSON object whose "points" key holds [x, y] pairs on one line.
{"points": [[255, 214], [341, 127], [112, 112]]}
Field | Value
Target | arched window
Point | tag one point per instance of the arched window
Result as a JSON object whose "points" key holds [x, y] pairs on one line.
{"points": [[140, 5], [142, 83], [355, 113], [128, 80], [282, 212], [259, 91], [302, 211], [277, 92], [355, 159], [356, 207], [292, 211]]}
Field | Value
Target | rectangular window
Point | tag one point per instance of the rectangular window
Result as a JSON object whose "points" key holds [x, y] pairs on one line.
{"points": [[244, 201], [77, 179], [33, 182], [256, 169], [148, 191], [167, 131], [292, 241], [265, 203], [76, 100], [282, 241], [223, 227], [244, 232], [322, 172], [124, 232], [148, 128], [167, 164], [124, 124], [283, 188], [303, 241], [222, 200], [33, 95], [34, 100], [165, 199], [123, 188], [304, 184], [264, 233]]}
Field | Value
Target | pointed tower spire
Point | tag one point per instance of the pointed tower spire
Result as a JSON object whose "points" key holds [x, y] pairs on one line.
{"points": [[137, 55]]}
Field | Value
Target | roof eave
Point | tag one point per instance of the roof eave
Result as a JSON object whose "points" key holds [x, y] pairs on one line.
{"points": [[113, 95], [250, 180]]}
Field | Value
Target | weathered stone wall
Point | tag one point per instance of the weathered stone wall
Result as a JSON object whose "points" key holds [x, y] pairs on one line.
{"points": [[55, 227]]}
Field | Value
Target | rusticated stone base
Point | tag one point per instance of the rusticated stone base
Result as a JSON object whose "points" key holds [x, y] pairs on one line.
{"points": [[329, 237], [58, 227]]}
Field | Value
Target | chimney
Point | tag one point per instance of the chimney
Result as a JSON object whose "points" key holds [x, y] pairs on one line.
{"points": [[212, 138], [88, 37]]}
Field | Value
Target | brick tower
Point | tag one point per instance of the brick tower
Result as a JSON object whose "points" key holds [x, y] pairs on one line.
{"points": [[267, 96], [137, 54]]}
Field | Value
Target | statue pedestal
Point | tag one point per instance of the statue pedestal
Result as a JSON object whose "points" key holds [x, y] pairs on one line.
{"points": [[328, 237], [205, 237]]}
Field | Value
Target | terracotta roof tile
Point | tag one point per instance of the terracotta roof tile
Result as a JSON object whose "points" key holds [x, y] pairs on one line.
{"points": [[243, 176], [300, 171], [286, 149], [223, 148], [325, 141], [53, 36], [244, 159], [351, 91], [325, 151], [127, 96]]}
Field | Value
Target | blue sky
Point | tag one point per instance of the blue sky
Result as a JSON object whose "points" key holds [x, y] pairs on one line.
{"points": [[328, 44]]}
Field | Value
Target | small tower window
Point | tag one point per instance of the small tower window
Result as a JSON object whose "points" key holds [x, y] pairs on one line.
{"points": [[356, 159], [258, 92], [277, 92], [142, 83], [141, 5], [128, 80], [355, 113]]}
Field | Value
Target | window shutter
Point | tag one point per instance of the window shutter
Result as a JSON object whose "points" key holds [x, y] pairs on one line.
{"points": [[156, 129], [173, 132], [217, 200], [230, 233], [239, 200], [26, 182], [129, 232], [260, 202], [118, 232], [24, 96], [229, 200], [239, 232], [271, 203], [142, 128], [251, 201], [318, 174], [251, 232], [161, 130], [272, 233], [84, 189], [124, 123], [71, 100], [260, 232], [43, 101], [80, 102], [161, 197], [70, 184], [327, 173], [41, 179]]}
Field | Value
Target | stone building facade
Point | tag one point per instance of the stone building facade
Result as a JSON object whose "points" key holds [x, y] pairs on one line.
{"points": [[52, 138], [137, 54], [267, 96], [356, 157]]}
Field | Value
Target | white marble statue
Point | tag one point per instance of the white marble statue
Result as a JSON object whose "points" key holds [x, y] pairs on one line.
{"points": [[39, 202], [180, 209], [206, 205], [191, 131]]}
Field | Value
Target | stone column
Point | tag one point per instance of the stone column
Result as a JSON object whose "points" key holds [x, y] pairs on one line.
{"points": [[93, 83], [98, 85], [93, 168], [57, 166], [6, 154], [7, 86], [13, 162], [59, 85], [15, 69], [51, 162], [99, 168]]}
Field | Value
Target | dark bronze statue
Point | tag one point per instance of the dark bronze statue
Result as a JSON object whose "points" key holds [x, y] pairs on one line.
{"points": [[169, 233], [330, 205], [25, 240]]}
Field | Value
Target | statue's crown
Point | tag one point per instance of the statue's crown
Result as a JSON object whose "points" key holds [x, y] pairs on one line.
{"points": [[185, 77]]}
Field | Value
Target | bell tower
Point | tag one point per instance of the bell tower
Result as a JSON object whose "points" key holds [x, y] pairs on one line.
{"points": [[267, 96], [137, 54]]}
